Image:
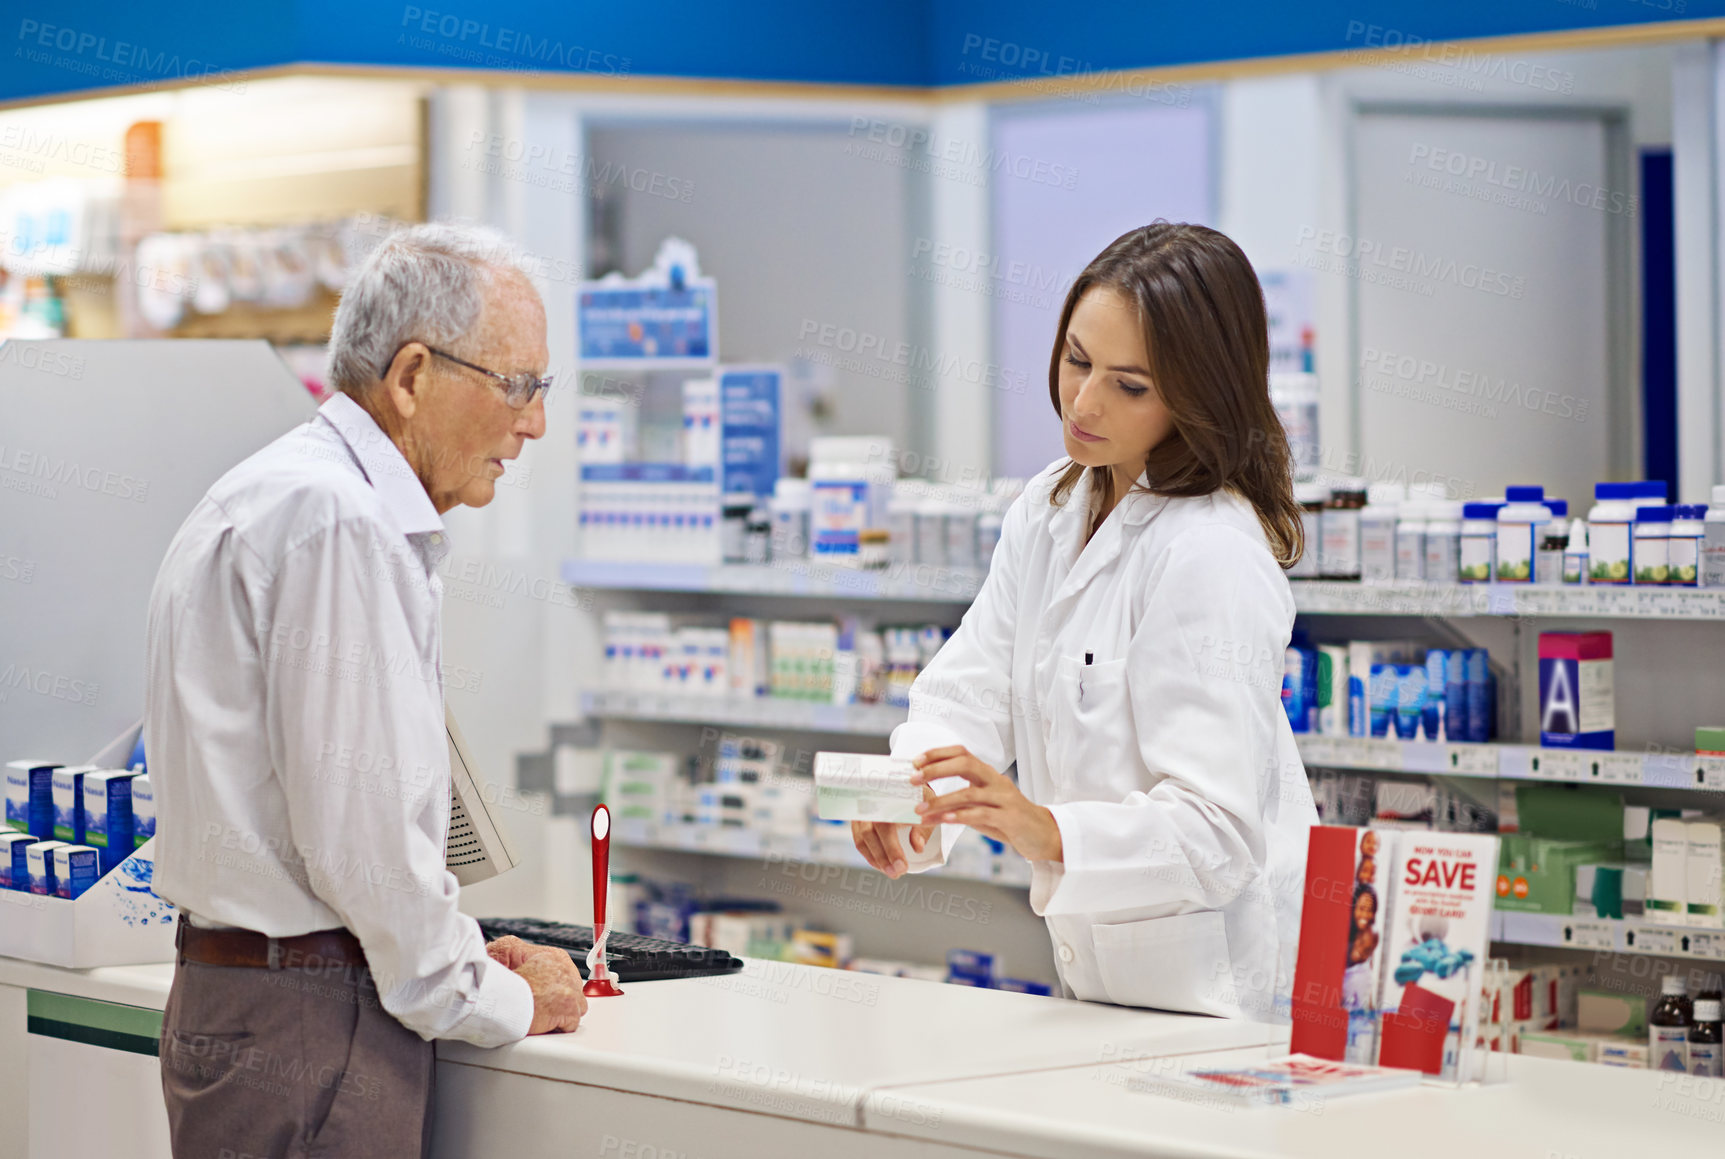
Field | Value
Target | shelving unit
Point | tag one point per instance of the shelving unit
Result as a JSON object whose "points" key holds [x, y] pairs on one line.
{"points": [[763, 712], [802, 577], [1607, 935], [1412, 598], [1516, 762]]}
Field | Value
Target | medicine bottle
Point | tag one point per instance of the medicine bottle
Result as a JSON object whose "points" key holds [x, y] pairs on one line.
{"points": [[1683, 549], [1340, 530], [1411, 539], [1713, 542], [1651, 557], [1479, 541], [1704, 1046], [1575, 553], [1378, 520], [1443, 541], [1553, 544], [1668, 1026], [1520, 523], [1609, 524], [1311, 498]]}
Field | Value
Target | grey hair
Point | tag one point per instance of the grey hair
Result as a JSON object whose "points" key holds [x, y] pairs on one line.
{"points": [[424, 283]]}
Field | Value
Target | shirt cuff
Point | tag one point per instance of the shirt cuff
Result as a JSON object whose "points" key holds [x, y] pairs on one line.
{"points": [[503, 1011], [1046, 877]]}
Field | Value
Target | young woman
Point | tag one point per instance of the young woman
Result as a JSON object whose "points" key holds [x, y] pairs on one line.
{"points": [[1126, 652]]}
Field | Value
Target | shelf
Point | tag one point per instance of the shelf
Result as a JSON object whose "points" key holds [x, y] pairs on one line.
{"points": [[1610, 935], [1516, 762], [724, 841], [764, 712], [1412, 598], [904, 582]]}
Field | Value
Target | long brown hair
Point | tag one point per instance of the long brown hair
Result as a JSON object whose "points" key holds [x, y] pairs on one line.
{"points": [[1209, 345]]}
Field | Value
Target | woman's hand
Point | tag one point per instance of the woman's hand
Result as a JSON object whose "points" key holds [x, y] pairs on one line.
{"points": [[877, 841], [991, 804]]}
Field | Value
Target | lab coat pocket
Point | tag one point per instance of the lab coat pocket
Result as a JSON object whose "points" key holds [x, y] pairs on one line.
{"points": [[1173, 963], [1091, 731]]}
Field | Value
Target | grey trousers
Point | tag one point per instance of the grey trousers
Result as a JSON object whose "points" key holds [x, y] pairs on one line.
{"points": [[291, 1064]]}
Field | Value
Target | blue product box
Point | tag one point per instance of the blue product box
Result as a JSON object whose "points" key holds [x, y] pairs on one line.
{"points": [[1437, 691], [1023, 986], [14, 864], [40, 867], [1300, 687], [1410, 699], [749, 430], [108, 815], [75, 869], [30, 797], [971, 963], [143, 809], [1577, 692], [1384, 688], [68, 790], [1455, 697], [1480, 708]]}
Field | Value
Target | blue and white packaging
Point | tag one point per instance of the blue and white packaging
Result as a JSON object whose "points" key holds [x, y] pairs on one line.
{"points": [[1023, 986], [40, 867], [108, 814], [69, 803], [75, 869], [1437, 691], [1410, 699], [143, 810], [14, 865], [30, 797], [749, 430], [1300, 688], [971, 968], [1480, 708], [1384, 688]]}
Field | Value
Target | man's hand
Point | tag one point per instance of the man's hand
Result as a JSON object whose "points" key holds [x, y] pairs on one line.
{"points": [[558, 1003], [511, 951], [991, 804]]}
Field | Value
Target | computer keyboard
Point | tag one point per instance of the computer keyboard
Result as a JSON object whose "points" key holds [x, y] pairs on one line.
{"points": [[632, 957]]}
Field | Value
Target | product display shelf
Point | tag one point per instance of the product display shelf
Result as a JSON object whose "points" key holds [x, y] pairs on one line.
{"points": [[905, 583], [1415, 598], [1607, 935], [760, 712], [821, 848], [1657, 770]]}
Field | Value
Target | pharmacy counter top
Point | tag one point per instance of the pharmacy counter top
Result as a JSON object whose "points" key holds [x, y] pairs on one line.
{"points": [[1544, 1109], [799, 1053]]}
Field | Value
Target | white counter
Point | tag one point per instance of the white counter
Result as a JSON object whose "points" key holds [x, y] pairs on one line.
{"points": [[788, 1060]]}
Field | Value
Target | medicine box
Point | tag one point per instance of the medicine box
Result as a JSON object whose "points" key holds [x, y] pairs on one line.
{"points": [[41, 866], [76, 868], [108, 814], [1611, 1012], [14, 865], [1668, 874], [1631, 1053], [143, 810], [68, 788], [30, 797], [1701, 895], [1577, 693], [1559, 1044]]}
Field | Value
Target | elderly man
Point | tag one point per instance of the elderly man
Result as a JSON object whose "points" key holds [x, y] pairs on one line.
{"points": [[294, 725]]}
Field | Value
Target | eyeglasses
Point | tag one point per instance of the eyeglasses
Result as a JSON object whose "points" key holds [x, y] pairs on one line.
{"points": [[518, 389]]}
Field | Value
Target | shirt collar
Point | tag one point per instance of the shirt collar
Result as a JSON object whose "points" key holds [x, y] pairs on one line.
{"points": [[385, 469]]}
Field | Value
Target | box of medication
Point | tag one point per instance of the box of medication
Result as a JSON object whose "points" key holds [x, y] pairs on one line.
{"points": [[68, 788], [14, 865], [1701, 895], [143, 810], [41, 866], [75, 869], [866, 787], [1668, 875], [108, 814], [30, 797], [1577, 693]]}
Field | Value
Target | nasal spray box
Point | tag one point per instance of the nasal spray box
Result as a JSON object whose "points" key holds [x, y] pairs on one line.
{"points": [[68, 789], [30, 797], [1577, 693], [40, 861], [108, 814], [143, 810], [75, 869], [14, 864]]}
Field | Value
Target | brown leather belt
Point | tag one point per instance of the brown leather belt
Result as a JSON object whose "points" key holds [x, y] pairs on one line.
{"points": [[313, 951]]}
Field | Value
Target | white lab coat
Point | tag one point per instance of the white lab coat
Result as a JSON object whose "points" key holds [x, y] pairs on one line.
{"points": [[1167, 760]]}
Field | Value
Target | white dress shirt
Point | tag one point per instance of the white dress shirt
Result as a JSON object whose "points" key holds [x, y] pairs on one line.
{"points": [[294, 721]]}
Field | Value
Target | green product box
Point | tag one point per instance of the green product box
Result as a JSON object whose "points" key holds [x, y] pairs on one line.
{"points": [[1710, 740], [1570, 812], [1537, 874]]}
